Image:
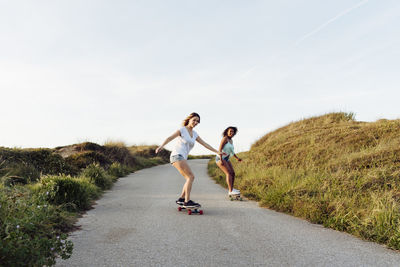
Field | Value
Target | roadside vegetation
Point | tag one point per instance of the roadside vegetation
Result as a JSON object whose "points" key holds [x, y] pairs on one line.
{"points": [[201, 156], [44, 191], [330, 170]]}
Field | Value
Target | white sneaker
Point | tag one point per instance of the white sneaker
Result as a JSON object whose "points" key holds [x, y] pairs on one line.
{"points": [[234, 192]]}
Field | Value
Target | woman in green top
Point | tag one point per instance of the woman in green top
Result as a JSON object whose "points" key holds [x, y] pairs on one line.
{"points": [[223, 162]]}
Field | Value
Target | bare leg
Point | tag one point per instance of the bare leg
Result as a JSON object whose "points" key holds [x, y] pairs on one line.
{"points": [[226, 169], [186, 172], [231, 172]]}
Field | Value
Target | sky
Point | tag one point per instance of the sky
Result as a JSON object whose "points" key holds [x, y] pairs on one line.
{"points": [[131, 71]]}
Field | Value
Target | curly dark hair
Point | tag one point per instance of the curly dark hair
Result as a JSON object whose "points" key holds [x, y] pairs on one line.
{"points": [[225, 133]]}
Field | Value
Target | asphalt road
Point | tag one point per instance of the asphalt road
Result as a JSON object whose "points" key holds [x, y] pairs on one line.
{"points": [[137, 224]]}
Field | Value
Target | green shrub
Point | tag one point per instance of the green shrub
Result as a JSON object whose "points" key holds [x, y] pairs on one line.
{"points": [[73, 194], [44, 160], [117, 170], [84, 159], [143, 162], [89, 146], [28, 233], [201, 156], [149, 152], [98, 176], [119, 153], [18, 173]]}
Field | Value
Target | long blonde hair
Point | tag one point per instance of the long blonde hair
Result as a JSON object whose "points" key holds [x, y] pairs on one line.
{"points": [[186, 121]]}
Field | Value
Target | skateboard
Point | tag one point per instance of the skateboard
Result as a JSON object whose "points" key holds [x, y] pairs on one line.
{"points": [[190, 211], [235, 197]]}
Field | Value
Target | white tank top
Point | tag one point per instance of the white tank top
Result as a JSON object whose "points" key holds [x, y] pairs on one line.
{"points": [[185, 143]]}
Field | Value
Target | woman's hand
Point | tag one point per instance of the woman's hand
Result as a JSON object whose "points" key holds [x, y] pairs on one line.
{"points": [[158, 149], [220, 158]]}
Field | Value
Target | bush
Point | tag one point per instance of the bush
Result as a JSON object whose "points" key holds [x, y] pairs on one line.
{"points": [[73, 194], [149, 152], [97, 175], [28, 234], [148, 162], [18, 173], [89, 146], [117, 170], [84, 159], [45, 161], [119, 153], [201, 156]]}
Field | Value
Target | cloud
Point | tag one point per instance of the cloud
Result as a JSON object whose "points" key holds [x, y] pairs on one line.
{"points": [[247, 72], [319, 28]]}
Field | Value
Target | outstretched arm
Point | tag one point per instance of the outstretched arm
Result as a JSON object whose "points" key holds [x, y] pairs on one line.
{"points": [[239, 159], [201, 141], [169, 139]]}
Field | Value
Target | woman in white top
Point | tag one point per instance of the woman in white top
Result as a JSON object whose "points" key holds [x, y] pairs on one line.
{"points": [[186, 140], [223, 162]]}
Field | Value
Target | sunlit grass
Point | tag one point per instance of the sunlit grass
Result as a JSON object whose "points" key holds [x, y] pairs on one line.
{"points": [[330, 170]]}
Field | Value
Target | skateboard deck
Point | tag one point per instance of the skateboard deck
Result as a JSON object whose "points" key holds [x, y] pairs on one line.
{"points": [[191, 211]]}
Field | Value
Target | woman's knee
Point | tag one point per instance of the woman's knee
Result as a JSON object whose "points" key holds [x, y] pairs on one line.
{"points": [[190, 177]]}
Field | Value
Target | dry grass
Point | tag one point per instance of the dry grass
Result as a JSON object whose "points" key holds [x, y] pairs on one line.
{"points": [[115, 143], [330, 170], [149, 152]]}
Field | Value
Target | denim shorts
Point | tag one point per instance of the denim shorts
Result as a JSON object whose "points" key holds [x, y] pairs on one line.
{"points": [[226, 158], [176, 158]]}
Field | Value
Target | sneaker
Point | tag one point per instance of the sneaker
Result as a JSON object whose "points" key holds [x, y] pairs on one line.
{"points": [[234, 192], [191, 204], [180, 201]]}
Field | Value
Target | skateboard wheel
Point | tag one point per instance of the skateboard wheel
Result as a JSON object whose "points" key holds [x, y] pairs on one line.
{"points": [[179, 208], [189, 212], [201, 212]]}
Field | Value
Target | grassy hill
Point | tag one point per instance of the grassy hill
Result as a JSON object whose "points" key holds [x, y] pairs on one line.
{"points": [[330, 170]]}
